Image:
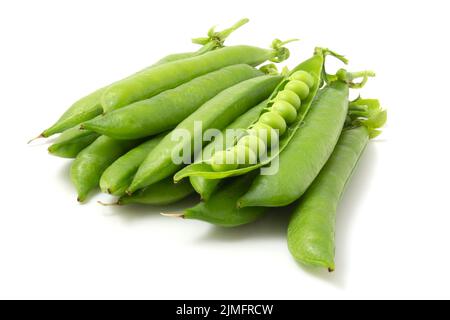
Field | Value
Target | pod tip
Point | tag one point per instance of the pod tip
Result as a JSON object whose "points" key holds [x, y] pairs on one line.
{"points": [[36, 138], [107, 204], [172, 214]]}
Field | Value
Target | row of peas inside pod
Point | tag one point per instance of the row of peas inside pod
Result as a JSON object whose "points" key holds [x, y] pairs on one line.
{"points": [[272, 124]]}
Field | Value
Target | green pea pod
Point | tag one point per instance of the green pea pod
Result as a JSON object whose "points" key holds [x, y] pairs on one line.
{"points": [[90, 106], [90, 163], [311, 229], [71, 142], [314, 66], [118, 176], [221, 208], [161, 193], [170, 75], [216, 113], [205, 187], [303, 158], [167, 109]]}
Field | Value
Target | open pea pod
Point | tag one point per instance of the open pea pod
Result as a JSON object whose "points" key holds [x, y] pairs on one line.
{"points": [[315, 67]]}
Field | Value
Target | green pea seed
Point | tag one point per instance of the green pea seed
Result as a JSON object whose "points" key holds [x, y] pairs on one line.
{"points": [[303, 76], [207, 187], [224, 160], [286, 110], [255, 144], [274, 120], [245, 155], [299, 87], [289, 96], [264, 132]]}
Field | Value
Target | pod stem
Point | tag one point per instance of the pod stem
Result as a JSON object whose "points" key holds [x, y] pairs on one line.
{"points": [[350, 77], [111, 204], [367, 113], [225, 33], [270, 69], [327, 52], [324, 52], [281, 53], [216, 39]]}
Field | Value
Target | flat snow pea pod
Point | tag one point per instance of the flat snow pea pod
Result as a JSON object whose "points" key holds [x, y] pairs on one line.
{"points": [[170, 75], [205, 187], [314, 67], [161, 193], [305, 155], [118, 176], [90, 163], [71, 142], [167, 109], [217, 113], [221, 208], [311, 230], [90, 106]]}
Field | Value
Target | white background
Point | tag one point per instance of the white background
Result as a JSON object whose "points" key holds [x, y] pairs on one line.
{"points": [[393, 229]]}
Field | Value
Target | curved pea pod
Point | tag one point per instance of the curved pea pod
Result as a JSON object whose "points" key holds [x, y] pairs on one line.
{"points": [[313, 66], [205, 187], [167, 109], [220, 209], [217, 113], [71, 142], [170, 75], [161, 193], [90, 163], [311, 230], [306, 154], [118, 176], [90, 106]]}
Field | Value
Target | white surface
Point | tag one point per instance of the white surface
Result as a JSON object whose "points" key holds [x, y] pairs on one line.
{"points": [[393, 226]]}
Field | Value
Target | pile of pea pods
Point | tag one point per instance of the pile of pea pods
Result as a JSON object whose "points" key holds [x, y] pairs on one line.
{"points": [[298, 138]]}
